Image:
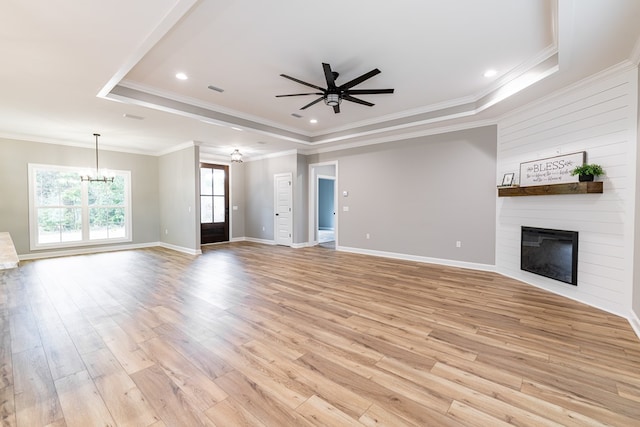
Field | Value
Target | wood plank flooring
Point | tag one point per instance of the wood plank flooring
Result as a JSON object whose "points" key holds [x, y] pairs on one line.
{"points": [[255, 335]]}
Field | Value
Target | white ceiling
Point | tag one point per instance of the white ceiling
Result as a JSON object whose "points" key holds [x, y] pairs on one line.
{"points": [[65, 63]]}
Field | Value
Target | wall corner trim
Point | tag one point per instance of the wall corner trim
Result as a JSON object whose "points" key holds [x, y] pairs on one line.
{"points": [[634, 320]]}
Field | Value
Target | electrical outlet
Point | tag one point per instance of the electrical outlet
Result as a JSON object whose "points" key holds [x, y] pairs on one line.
{"points": [[458, 244], [166, 231], [264, 228], [368, 236]]}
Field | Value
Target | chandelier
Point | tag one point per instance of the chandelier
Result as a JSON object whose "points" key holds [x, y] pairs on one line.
{"points": [[236, 156], [97, 177]]}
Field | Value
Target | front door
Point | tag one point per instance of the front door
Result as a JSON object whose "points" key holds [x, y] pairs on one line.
{"points": [[214, 203], [283, 199]]}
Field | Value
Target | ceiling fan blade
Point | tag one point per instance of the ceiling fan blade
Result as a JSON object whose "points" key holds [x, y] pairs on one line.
{"points": [[301, 82], [312, 103], [357, 101], [367, 91], [336, 108], [300, 94], [360, 79], [328, 75]]}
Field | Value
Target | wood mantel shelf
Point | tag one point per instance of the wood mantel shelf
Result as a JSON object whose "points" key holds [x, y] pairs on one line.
{"points": [[593, 187]]}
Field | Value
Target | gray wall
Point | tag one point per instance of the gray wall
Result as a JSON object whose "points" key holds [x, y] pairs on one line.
{"points": [[14, 189], [258, 191], [179, 198], [419, 196], [236, 173]]}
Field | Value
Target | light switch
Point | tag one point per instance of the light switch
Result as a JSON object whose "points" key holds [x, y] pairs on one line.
{"points": [[345, 208]]}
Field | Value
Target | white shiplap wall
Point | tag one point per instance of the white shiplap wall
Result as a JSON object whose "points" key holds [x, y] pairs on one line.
{"points": [[597, 116]]}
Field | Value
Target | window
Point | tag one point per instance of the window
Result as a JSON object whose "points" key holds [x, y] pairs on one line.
{"points": [[65, 211], [212, 195]]}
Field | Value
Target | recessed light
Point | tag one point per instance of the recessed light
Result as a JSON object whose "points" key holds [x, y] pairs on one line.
{"points": [[181, 76], [313, 121], [490, 73], [235, 128]]}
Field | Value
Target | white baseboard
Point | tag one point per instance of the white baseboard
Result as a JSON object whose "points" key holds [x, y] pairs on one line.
{"points": [[635, 323], [263, 241], [86, 250], [427, 260], [301, 245], [182, 249]]}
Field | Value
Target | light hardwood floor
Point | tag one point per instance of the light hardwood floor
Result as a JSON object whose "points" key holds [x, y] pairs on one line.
{"points": [[254, 335]]}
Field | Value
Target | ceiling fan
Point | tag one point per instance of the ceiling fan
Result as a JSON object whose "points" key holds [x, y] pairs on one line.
{"points": [[333, 94]]}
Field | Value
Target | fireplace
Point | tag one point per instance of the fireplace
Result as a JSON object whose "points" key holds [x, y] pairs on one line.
{"points": [[550, 253]]}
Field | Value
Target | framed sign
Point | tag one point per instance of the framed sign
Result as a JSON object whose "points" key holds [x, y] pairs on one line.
{"points": [[552, 170]]}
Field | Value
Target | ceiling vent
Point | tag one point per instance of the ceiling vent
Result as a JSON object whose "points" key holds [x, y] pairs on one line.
{"points": [[217, 89]]}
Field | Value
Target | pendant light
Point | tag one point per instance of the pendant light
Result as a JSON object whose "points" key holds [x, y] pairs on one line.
{"points": [[97, 177], [236, 156]]}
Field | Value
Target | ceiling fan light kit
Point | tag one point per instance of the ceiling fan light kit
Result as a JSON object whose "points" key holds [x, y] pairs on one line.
{"points": [[333, 95], [332, 99]]}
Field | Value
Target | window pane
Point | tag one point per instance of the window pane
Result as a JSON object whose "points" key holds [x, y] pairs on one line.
{"points": [[49, 225], [57, 225], [107, 193], [218, 182], [218, 209], [57, 188], [206, 209], [106, 223], [116, 223], [98, 220], [97, 192], [71, 226], [206, 181]]}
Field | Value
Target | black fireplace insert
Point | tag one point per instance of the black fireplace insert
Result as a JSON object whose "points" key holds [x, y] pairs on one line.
{"points": [[550, 253]]}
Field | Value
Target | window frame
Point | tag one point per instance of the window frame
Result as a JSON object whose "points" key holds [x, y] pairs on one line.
{"points": [[84, 207]]}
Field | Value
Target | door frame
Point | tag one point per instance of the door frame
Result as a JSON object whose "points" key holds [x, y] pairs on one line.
{"points": [[289, 176], [312, 238], [204, 163]]}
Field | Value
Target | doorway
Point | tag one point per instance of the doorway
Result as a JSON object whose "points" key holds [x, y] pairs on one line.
{"points": [[326, 211], [214, 203], [321, 233]]}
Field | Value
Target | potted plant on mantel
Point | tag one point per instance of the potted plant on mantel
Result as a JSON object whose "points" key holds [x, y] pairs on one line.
{"points": [[587, 172]]}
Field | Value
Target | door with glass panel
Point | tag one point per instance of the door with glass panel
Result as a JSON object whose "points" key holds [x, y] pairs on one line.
{"points": [[214, 203]]}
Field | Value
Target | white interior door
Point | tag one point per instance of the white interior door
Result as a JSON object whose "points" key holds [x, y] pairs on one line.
{"points": [[283, 201]]}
